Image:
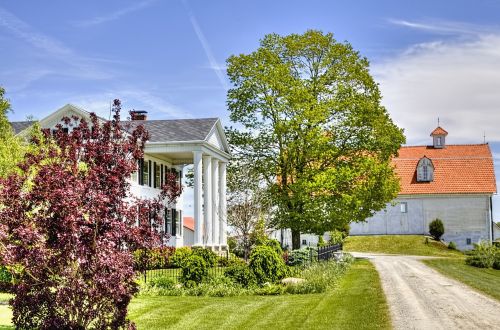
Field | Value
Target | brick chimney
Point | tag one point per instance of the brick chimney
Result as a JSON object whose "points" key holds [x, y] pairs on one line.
{"points": [[138, 115]]}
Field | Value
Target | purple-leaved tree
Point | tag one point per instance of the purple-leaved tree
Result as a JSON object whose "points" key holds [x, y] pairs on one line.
{"points": [[68, 226]]}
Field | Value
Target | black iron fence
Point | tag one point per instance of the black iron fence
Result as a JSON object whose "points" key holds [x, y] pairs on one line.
{"points": [[328, 252]]}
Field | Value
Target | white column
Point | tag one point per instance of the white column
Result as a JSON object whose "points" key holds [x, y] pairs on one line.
{"points": [[222, 205], [215, 204], [198, 216], [207, 198]]}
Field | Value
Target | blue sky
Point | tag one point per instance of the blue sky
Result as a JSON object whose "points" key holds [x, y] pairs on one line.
{"points": [[431, 58]]}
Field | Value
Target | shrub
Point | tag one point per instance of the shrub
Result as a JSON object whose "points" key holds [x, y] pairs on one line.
{"points": [[232, 242], [229, 261], [302, 257], [336, 237], [155, 258], [208, 255], [241, 274], [436, 229], [452, 246], [483, 255], [163, 282], [266, 264], [270, 290], [321, 241], [275, 245], [5, 279], [180, 255], [194, 269]]}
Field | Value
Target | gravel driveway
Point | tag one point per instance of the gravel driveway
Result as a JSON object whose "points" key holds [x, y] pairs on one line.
{"points": [[421, 298]]}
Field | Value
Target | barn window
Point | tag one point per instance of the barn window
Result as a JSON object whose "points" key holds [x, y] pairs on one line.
{"points": [[404, 207], [425, 170]]}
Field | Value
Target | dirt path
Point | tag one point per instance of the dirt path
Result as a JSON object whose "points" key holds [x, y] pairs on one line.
{"points": [[421, 298]]}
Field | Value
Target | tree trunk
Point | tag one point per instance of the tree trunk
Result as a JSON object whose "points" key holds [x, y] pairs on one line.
{"points": [[295, 239]]}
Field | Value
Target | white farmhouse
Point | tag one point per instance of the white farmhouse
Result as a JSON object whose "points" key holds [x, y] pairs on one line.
{"points": [[173, 144], [454, 183]]}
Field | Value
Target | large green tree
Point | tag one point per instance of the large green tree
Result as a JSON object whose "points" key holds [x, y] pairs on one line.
{"points": [[310, 121], [11, 147]]}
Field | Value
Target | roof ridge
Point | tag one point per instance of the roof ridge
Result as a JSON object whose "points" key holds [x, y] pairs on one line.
{"points": [[447, 145]]}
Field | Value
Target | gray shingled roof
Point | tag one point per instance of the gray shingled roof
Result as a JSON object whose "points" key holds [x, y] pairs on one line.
{"points": [[160, 130], [19, 126], [176, 129]]}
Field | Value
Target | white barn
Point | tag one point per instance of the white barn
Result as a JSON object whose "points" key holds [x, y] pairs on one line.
{"points": [[173, 144], [454, 183]]}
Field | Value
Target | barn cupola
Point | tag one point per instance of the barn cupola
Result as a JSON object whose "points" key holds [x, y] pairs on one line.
{"points": [[439, 137]]}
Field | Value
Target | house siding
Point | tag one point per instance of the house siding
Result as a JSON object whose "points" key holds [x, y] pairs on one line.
{"points": [[464, 217]]}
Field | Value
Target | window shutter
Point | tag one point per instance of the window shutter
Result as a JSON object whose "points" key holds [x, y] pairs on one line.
{"points": [[162, 179], [149, 176], [174, 222], [154, 175], [141, 171]]}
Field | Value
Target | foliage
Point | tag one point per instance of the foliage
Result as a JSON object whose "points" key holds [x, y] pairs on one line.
{"points": [[68, 225], [12, 147], [5, 279], [266, 264], [320, 276], [241, 274], [302, 257], [155, 258], [275, 245], [194, 269], [452, 246], [232, 242], [270, 289], [247, 206], [336, 237], [180, 255], [232, 259], [208, 255], [483, 255], [312, 124], [321, 241], [163, 282], [436, 229]]}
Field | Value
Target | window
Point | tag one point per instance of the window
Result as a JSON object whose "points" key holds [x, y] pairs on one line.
{"points": [[145, 165], [162, 175], [304, 242], [404, 207], [438, 141], [168, 221], [469, 241], [425, 170], [157, 176]]}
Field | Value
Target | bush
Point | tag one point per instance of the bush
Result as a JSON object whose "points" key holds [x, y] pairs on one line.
{"points": [[302, 257], [208, 255], [241, 274], [163, 282], [154, 258], [275, 245], [484, 255], [229, 261], [232, 242], [5, 279], [180, 255], [270, 290], [452, 246], [336, 237], [436, 229], [266, 264], [194, 269], [321, 241]]}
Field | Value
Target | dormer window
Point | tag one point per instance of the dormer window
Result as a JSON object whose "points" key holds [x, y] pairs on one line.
{"points": [[425, 170], [438, 138]]}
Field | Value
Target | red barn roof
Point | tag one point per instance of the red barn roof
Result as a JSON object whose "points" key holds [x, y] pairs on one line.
{"points": [[458, 169], [188, 223], [439, 131]]}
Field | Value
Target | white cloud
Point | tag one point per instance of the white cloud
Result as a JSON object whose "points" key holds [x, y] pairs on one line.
{"points": [[218, 69], [455, 80], [115, 15], [442, 27]]}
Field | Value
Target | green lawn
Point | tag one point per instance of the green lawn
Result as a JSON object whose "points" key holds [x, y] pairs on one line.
{"points": [[484, 280], [399, 244], [357, 303]]}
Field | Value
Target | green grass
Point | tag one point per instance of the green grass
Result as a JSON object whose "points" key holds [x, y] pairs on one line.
{"points": [[399, 244], [5, 311], [357, 303], [481, 279]]}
